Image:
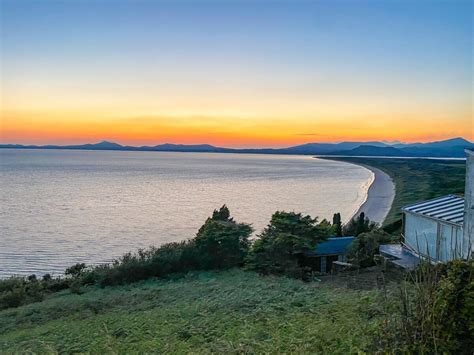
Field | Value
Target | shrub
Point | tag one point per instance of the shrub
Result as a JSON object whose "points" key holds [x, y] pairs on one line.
{"points": [[13, 298], [76, 287], [17, 291], [220, 243], [435, 311], [337, 224], [365, 246], [359, 225], [75, 270], [282, 246]]}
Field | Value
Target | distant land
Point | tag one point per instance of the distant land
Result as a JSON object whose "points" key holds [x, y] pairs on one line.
{"points": [[450, 148]]}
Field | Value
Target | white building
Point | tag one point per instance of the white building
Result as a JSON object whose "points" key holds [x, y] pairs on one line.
{"points": [[443, 228], [434, 228], [469, 197]]}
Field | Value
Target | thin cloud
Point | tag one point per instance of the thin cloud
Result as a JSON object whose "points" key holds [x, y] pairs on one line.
{"points": [[309, 134]]}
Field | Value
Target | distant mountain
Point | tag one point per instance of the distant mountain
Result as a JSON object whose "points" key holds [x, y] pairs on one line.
{"points": [[447, 148], [167, 147], [104, 145], [454, 142], [370, 150], [448, 143], [452, 148], [325, 148]]}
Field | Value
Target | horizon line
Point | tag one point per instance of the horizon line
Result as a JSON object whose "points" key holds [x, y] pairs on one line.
{"points": [[388, 143]]}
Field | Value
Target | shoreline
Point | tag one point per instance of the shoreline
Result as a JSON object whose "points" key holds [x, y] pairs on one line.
{"points": [[380, 194]]}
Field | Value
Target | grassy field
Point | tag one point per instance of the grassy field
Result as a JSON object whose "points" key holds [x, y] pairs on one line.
{"points": [[418, 179], [233, 311]]}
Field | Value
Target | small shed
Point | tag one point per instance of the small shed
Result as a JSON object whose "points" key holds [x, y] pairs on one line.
{"points": [[333, 249]]}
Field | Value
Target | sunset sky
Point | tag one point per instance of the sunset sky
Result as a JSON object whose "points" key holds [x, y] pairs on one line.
{"points": [[235, 73]]}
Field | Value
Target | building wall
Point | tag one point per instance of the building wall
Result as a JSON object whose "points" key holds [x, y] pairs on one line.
{"points": [[451, 243], [440, 241], [469, 208], [421, 234]]}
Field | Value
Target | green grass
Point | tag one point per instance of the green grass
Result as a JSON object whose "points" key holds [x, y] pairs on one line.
{"points": [[417, 179], [224, 312]]}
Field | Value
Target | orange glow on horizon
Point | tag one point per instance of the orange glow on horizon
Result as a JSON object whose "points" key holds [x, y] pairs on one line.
{"points": [[78, 128]]}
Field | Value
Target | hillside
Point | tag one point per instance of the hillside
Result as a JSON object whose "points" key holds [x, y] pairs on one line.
{"points": [[233, 311], [370, 150]]}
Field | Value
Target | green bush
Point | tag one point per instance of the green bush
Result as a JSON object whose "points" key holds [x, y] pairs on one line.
{"points": [[358, 225], [282, 246], [75, 270], [365, 246], [17, 291], [435, 311], [221, 243], [14, 297]]}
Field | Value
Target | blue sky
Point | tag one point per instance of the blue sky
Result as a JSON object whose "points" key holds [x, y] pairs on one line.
{"points": [[248, 63]]}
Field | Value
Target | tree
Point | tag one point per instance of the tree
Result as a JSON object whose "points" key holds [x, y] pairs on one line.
{"points": [[337, 223], [221, 242], [365, 246], [358, 225], [283, 244], [76, 270], [222, 214]]}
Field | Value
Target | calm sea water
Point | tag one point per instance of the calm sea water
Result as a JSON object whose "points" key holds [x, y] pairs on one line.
{"points": [[58, 207]]}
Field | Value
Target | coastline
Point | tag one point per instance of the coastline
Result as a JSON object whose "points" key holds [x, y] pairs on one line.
{"points": [[380, 194]]}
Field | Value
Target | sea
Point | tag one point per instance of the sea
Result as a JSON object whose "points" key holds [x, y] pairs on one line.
{"points": [[61, 207]]}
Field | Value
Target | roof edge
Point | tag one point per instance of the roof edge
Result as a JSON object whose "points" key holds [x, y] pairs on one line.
{"points": [[339, 238], [430, 200], [435, 219]]}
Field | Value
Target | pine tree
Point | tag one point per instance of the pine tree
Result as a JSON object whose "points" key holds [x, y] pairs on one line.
{"points": [[336, 221]]}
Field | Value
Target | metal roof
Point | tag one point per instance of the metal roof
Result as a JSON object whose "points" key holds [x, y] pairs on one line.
{"points": [[448, 208], [333, 246]]}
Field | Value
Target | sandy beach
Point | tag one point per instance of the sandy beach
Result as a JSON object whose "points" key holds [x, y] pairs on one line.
{"points": [[380, 194], [379, 197]]}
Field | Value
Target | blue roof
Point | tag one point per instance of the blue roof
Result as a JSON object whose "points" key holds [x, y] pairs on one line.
{"points": [[335, 245]]}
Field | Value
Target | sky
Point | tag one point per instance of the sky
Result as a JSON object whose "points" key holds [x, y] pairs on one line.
{"points": [[235, 73]]}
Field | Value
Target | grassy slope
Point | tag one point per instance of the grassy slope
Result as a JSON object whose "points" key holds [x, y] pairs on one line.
{"points": [[231, 311], [418, 179]]}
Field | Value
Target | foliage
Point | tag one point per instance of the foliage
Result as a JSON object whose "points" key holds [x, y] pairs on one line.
{"points": [[358, 225], [337, 224], [75, 270], [222, 214], [206, 312], [221, 242], [145, 263], [365, 246], [435, 313], [17, 291], [281, 247]]}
